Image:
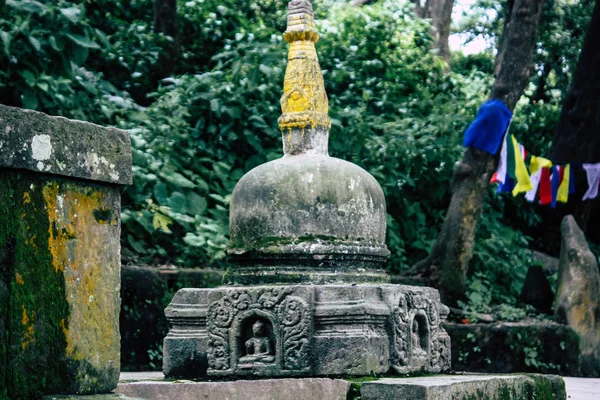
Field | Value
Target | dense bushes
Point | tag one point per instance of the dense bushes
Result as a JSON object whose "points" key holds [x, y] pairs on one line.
{"points": [[202, 108]]}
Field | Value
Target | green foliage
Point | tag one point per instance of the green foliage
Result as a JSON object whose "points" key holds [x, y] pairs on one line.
{"points": [[45, 47], [393, 110], [202, 110]]}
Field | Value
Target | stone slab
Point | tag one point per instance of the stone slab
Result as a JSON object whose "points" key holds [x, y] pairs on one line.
{"points": [[268, 389], [472, 387], [547, 348], [109, 396], [55, 145], [141, 376]]}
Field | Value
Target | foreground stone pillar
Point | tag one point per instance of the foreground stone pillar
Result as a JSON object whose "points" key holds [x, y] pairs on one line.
{"points": [[308, 294], [60, 183]]}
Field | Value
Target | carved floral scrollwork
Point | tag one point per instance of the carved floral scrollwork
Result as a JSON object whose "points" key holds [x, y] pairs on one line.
{"points": [[293, 314], [401, 332]]}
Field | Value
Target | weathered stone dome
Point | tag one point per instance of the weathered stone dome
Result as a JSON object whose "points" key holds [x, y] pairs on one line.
{"points": [[306, 217]]}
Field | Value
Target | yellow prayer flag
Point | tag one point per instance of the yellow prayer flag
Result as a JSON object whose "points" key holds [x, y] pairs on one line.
{"points": [[523, 183], [563, 190], [538, 163]]}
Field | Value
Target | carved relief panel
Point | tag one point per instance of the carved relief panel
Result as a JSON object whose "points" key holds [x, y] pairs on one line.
{"points": [[419, 341], [263, 331]]}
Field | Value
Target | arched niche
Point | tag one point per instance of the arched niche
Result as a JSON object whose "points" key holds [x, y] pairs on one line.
{"points": [[252, 347], [419, 336]]}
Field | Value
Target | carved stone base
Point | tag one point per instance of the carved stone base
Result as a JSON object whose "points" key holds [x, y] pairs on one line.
{"points": [[305, 330]]}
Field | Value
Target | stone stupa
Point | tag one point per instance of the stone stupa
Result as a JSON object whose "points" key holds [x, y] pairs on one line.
{"points": [[307, 294]]}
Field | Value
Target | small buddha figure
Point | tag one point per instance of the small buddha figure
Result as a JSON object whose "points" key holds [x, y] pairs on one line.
{"points": [[258, 347], [417, 350]]}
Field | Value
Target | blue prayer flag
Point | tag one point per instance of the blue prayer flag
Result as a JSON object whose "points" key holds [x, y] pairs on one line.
{"points": [[488, 128]]}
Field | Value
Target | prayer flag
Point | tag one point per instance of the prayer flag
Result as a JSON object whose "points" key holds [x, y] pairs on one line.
{"points": [[501, 171], [488, 127], [563, 190], [593, 177], [517, 169], [545, 187], [555, 178], [536, 166]]}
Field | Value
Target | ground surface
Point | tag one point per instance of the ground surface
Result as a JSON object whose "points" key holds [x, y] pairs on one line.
{"points": [[582, 388], [577, 388]]}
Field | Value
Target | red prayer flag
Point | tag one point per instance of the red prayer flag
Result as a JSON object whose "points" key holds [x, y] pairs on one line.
{"points": [[545, 190]]}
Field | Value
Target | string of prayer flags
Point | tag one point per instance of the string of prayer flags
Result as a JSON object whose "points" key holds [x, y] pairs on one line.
{"points": [[593, 178], [488, 128], [551, 183], [536, 167]]}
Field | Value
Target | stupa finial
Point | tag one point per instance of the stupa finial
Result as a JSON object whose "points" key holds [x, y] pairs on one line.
{"points": [[304, 102]]}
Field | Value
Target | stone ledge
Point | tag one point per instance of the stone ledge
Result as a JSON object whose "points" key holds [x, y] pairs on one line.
{"points": [[546, 348], [109, 396], [152, 386], [55, 145], [267, 389], [471, 387]]}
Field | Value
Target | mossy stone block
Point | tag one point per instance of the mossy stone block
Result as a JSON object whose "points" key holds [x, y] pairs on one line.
{"points": [[60, 276]]}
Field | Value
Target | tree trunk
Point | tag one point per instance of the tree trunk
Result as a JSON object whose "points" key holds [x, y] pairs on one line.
{"points": [[440, 12], [165, 17], [448, 262], [441, 18], [165, 21], [577, 135]]}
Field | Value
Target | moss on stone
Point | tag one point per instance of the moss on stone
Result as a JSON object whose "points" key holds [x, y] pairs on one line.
{"points": [[36, 319], [50, 267]]}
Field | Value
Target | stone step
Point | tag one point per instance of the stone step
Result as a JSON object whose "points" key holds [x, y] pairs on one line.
{"points": [[266, 389], [152, 386], [472, 387]]}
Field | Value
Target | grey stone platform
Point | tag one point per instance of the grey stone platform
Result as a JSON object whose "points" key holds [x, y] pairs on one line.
{"points": [[152, 386], [305, 330]]}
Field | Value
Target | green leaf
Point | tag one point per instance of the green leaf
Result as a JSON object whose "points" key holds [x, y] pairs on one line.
{"points": [[178, 180], [57, 44], [193, 240], [177, 202], [160, 193], [162, 222], [27, 5], [35, 43], [29, 77], [43, 86], [103, 38], [196, 204], [6, 38], [82, 41], [137, 245], [29, 100], [80, 54], [72, 14]]}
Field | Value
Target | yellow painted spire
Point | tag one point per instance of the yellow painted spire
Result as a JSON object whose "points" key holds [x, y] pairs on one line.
{"points": [[304, 102]]}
